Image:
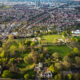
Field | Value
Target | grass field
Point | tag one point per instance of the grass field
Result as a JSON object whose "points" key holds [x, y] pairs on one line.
{"points": [[61, 50], [52, 38]]}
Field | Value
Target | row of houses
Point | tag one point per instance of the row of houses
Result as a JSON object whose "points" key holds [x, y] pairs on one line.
{"points": [[42, 71]]}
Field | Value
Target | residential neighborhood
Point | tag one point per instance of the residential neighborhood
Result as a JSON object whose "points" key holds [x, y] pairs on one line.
{"points": [[39, 40]]}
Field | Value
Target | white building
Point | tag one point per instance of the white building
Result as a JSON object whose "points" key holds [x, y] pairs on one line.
{"points": [[15, 33], [76, 33]]}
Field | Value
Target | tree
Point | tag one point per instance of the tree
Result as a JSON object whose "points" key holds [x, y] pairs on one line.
{"points": [[64, 33], [7, 74], [12, 50], [12, 64], [4, 61], [21, 47], [69, 76], [76, 76], [2, 54], [58, 66], [51, 68], [32, 43], [76, 40], [76, 50], [41, 57], [69, 32], [28, 59], [11, 61], [72, 38], [10, 37], [35, 57], [66, 58], [26, 76], [7, 45], [45, 51], [55, 55], [77, 59], [27, 42], [66, 64], [58, 77]]}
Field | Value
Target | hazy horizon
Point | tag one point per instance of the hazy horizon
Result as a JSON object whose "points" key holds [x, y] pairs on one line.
{"points": [[33, 0]]}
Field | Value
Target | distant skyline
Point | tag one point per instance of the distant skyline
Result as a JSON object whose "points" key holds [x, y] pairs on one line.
{"points": [[33, 0]]}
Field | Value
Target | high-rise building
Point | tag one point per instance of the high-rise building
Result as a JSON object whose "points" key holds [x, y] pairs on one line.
{"points": [[38, 3]]}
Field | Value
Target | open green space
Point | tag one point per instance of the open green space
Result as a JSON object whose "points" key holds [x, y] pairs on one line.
{"points": [[52, 38], [61, 50]]}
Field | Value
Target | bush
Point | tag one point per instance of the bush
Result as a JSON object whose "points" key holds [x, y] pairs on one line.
{"points": [[7, 74], [2, 54], [66, 64], [58, 66], [76, 50], [10, 37], [28, 59], [69, 76], [77, 59], [27, 42], [51, 68], [55, 55], [26, 76], [33, 44], [58, 77]]}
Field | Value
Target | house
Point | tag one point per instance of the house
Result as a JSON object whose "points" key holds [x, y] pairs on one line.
{"points": [[43, 72], [60, 40], [3, 26], [5, 34], [15, 33], [76, 33], [38, 38], [47, 74], [67, 41], [78, 20], [34, 40], [39, 67], [29, 34]]}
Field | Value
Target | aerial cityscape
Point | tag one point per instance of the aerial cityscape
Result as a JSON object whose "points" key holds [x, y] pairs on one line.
{"points": [[39, 39]]}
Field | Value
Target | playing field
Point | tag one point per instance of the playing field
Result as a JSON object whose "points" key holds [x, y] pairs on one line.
{"points": [[61, 50], [51, 38]]}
